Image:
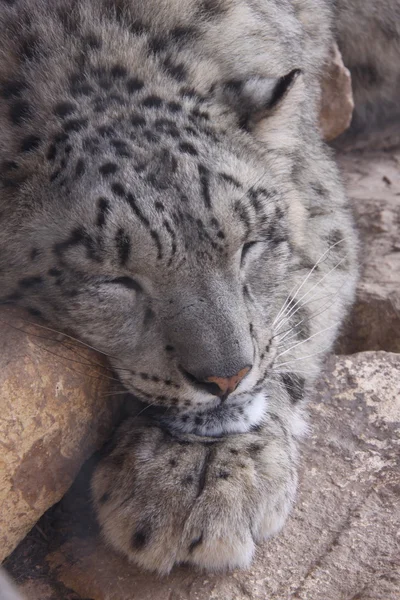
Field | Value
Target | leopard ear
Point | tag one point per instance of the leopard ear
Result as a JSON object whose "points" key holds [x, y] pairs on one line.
{"points": [[256, 97]]}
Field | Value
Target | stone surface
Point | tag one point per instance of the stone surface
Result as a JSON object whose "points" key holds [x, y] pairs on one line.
{"points": [[373, 183], [52, 417], [337, 98], [341, 542]]}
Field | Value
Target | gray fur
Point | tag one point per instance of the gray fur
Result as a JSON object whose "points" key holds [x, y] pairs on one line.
{"points": [[138, 159]]}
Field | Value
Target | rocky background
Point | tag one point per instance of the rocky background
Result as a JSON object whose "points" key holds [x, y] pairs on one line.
{"points": [[342, 541]]}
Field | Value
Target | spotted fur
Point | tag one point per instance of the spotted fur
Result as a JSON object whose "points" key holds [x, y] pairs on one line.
{"points": [[166, 197]]}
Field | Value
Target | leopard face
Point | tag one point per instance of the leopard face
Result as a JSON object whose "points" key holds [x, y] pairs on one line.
{"points": [[164, 203]]}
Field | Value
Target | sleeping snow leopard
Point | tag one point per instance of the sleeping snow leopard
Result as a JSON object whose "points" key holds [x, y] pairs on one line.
{"points": [[166, 198]]}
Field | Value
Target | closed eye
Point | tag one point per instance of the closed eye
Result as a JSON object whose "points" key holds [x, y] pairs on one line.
{"points": [[127, 282], [246, 248]]}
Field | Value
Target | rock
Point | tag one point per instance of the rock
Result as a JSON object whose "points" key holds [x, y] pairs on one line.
{"points": [[373, 183], [337, 98], [53, 416], [339, 543]]}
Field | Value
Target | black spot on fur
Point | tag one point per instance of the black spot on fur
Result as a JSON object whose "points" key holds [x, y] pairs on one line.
{"points": [[159, 207], [243, 214], [108, 168], [294, 385], [92, 41], [128, 282], [76, 237], [152, 102], [29, 282], [119, 71], [55, 174], [103, 209], [157, 44], [200, 114], [81, 89], [34, 253], [190, 93], [134, 84], [156, 239], [209, 457], [336, 239], [31, 142], [137, 28], [91, 144], [205, 185], [121, 148], [8, 170], [140, 538], [68, 18], [20, 111], [254, 449], [212, 9], [132, 203], [63, 109], [148, 316], [51, 152], [191, 131], [29, 48], [319, 189], [118, 189], [80, 167], [106, 131], [12, 88], [137, 120], [54, 272], [61, 137], [176, 70], [34, 312], [188, 148], [172, 462], [230, 179], [224, 475], [11, 298], [105, 498], [123, 243], [151, 136], [75, 125], [183, 34], [174, 107], [167, 126]]}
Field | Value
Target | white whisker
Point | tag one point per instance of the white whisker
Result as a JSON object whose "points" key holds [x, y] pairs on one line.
{"points": [[308, 339], [306, 279], [304, 357], [290, 313], [311, 316]]}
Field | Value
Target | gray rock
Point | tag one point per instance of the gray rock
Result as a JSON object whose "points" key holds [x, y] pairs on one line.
{"points": [[373, 183], [53, 417], [340, 543]]}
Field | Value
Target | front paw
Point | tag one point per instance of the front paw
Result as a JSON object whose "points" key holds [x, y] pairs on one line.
{"points": [[164, 501]]}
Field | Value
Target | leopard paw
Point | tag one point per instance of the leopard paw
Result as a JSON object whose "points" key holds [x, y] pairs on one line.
{"points": [[163, 501]]}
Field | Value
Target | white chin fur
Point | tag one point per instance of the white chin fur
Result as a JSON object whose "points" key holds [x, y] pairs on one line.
{"points": [[253, 414]]}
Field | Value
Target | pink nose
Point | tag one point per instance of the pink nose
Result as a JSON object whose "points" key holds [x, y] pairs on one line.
{"points": [[227, 385]]}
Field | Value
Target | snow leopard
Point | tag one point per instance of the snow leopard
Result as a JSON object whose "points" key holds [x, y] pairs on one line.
{"points": [[167, 199]]}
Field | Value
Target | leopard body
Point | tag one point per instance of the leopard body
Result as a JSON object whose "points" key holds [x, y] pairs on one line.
{"points": [[167, 199]]}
